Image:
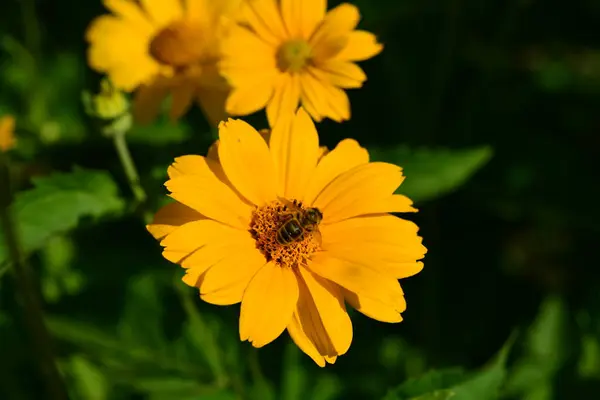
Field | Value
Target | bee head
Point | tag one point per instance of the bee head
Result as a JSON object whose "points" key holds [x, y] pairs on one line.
{"points": [[313, 216]]}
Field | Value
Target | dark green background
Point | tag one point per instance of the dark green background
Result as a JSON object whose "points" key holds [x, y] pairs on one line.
{"points": [[519, 76]]}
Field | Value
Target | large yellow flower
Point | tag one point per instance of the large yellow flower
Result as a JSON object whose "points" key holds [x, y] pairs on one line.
{"points": [[161, 47], [290, 51], [229, 228]]}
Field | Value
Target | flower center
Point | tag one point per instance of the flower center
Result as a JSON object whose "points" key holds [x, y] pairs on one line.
{"points": [[178, 45], [286, 234], [293, 55]]}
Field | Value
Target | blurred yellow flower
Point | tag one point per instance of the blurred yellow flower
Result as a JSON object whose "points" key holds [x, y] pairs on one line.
{"points": [[7, 133], [291, 232], [288, 51], [162, 47]]}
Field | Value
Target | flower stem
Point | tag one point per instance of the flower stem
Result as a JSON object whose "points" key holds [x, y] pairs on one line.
{"points": [[129, 167], [33, 313]]}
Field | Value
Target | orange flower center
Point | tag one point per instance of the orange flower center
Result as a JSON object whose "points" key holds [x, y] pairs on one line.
{"points": [[178, 45], [293, 55], [283, 235]]}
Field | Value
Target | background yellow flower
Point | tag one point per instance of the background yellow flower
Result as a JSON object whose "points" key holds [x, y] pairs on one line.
{"points": [[231, 229], [291, 51], [7, 133], [161, 47]]}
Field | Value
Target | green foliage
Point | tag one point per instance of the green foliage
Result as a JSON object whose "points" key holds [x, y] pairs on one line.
{"points": [[456, 384], [452, 76], [433, 173], [58, 202], [544, 353]]}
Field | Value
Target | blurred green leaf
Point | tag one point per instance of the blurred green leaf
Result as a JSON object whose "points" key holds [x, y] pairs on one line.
{"points": [[58, 276], [327, 387], [202, 337], [89, 383], [57, 203], [437, 395], [431, 173], [141, 321], [165, 388], [294, 376], [160, 133], [544, 352], [454, 383], [486, 384], [428, 382]]}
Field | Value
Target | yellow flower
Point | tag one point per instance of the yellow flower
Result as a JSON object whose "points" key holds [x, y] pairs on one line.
{"points": [[288, 51], [7, 133], [229, 228], [160, 47]]}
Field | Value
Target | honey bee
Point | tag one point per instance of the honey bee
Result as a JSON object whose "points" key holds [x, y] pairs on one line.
{"points": [[297, 222]]}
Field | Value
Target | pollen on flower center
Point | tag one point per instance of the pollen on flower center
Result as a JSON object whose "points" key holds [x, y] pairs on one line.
{"points": [[266, 225], [178, 45], [293, 55]]}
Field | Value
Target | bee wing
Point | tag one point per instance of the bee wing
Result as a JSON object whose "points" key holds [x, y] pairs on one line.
{"points": [[317, 235]]}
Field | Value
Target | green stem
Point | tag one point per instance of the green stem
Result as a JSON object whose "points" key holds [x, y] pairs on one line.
{"points": [[129, 167], [33, 313]]}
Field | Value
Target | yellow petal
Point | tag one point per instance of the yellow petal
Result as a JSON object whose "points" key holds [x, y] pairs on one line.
{"points": [[311, 97], [342, 18], [247, 161], [216, 251], [351, 193], [343, 74], [372, 308], [119, 49], [148, 100], [182, 98], [265, 19], [163, 12], [338, 104], [195, 182], [303, 342], [245, 50], [170, 217], [360, 46], [295, 152], [360, 280], [286, 95], [131, 12], [346, 155], [302, 16], [331, 36], [268, 304], [307, 329], [246, 100], [225, 282], [330, 306], [384, 243], [212, 102], [188, 238]]}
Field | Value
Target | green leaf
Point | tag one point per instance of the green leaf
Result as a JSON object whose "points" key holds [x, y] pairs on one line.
{"points": [[486, 384], [294, 376], [57, 203], [545, 351], [141, 321], [427, 383], [160, 133], [453, 383], [201, 337], [431, 173], [88, 381], [437, 395]]}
